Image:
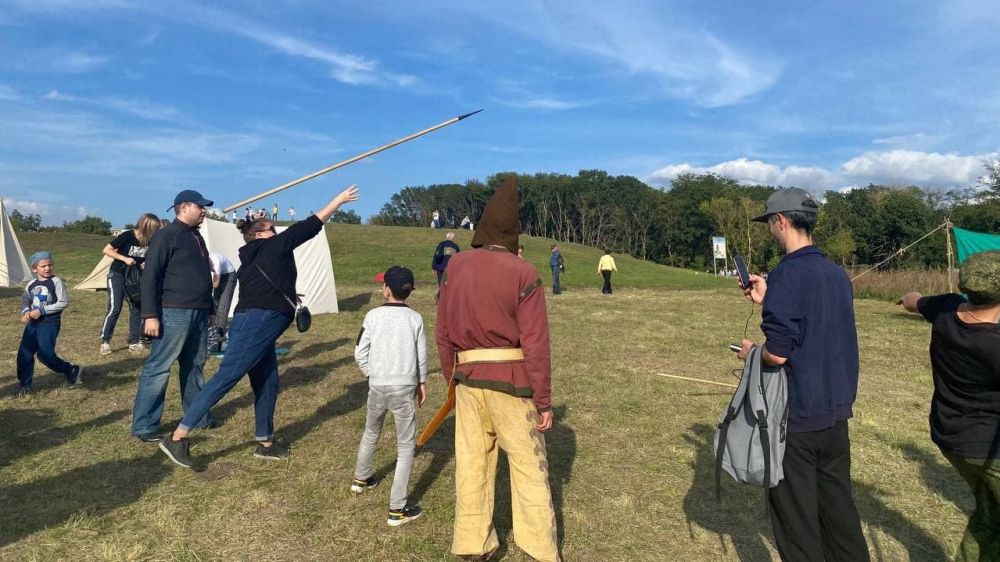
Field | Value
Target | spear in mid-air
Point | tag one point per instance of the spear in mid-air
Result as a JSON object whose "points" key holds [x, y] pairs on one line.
{"points": [[293, 183]]}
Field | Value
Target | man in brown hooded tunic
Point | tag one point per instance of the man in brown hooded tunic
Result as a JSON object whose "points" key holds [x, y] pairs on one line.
{"points": [[493, 339]]}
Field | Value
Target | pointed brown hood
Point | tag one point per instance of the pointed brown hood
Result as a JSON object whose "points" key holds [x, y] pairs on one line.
{"points": [[500, 222]]}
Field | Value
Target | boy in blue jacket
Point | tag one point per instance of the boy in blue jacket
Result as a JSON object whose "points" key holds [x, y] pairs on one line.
{"points": [[42, 303]]}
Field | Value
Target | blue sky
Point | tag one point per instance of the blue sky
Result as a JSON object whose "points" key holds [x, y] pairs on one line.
{"points": [[110, 107]]}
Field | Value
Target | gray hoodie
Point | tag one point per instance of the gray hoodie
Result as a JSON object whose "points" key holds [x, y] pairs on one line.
{"points": [[392, 348]]}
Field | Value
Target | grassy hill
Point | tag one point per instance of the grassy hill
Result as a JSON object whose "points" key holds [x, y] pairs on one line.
{"points": [[361, 251], [630, 456]]}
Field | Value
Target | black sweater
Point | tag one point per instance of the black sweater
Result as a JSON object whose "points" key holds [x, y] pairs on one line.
{"points": [[275, 256], [178, 273]]}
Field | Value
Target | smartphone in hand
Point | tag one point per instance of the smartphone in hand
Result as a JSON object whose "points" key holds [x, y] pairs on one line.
{"points": [[742, 272]]}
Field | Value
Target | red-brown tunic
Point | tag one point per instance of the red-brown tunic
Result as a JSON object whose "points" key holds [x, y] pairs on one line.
{"points": [[492, 298]]}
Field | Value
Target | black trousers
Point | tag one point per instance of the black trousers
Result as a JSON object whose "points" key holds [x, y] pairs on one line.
{"points": [[607, 281], [812, 510]]}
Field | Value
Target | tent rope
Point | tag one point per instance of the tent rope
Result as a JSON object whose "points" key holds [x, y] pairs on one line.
{"points": [[901, 250]]}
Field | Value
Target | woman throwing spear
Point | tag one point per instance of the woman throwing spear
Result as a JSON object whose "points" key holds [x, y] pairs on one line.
{"points": [[267, 278]]}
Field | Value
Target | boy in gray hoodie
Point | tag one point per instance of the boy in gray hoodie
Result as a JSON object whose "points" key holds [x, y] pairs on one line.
{"points": [[392, 352]]}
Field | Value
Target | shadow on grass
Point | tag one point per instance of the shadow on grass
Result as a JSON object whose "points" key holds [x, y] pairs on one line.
{"points": [[940, 477], [28, 432], [290, 378], [354, 397], [315, 349], [355, 303], [91, 490], [741, 513], [95, 375], [560, 445]]}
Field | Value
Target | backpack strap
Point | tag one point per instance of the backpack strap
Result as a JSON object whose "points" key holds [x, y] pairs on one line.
{"points": [[735, 405], [761, 409]]}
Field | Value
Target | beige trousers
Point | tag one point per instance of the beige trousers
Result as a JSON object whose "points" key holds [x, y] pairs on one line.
{"points": [[483, 420]]}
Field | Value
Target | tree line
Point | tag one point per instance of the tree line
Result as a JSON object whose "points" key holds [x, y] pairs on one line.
{"points": [[675, 226]]}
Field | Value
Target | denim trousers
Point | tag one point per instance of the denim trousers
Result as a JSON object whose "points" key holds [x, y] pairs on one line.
{"points": [[39, 338], [116, 298], [556, 289], [252, 335], [183, 339], [401, 401]]}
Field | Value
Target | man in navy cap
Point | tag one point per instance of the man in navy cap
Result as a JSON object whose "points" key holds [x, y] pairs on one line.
{"points": [[176, 303], [807, 317]]}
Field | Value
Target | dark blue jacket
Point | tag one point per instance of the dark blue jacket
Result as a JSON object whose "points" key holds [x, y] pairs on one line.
{"points": [[808, 318]]}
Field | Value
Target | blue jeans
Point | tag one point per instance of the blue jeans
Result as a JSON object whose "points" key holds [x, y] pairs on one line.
{"points": [[555, 280], [39, 338], [182, 338], [252, 335]]}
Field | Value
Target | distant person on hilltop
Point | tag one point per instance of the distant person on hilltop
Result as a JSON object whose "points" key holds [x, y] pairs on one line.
{"points": [[445, 249], [604, 268], [435, 219], [466, 223], [128, 249], [274, 212], [557, 267], [291, 213], [965, 407]]}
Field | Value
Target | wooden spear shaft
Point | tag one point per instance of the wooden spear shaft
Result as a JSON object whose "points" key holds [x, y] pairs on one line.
{"points": [[352, 160], [725, 384]]}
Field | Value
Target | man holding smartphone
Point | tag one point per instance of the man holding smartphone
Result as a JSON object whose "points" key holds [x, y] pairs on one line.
{"points": [[808, 320]]}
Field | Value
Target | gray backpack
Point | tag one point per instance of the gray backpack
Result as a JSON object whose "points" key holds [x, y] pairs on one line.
{"points": [[750, 442]]}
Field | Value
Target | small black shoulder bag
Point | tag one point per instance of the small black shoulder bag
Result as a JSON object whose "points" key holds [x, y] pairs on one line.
{"points": [[303, 318]]}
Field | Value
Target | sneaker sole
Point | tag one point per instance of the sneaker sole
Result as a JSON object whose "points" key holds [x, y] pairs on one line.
{"points": [[358, 490], [172, 458], [268, 458], [398, 522]]}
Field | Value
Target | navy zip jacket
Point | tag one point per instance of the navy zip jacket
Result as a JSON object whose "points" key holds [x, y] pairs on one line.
{"points": [[177, 273], [808, 318], [275, 256]]}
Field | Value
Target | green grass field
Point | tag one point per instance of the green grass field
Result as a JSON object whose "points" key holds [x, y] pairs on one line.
{"points": [[630, 455]]}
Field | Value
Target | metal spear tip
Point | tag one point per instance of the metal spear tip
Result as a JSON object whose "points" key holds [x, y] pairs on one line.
{"points": [[460, 117]]}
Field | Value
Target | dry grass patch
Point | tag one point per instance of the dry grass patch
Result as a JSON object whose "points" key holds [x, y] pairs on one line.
{"points": [[631, 460]]}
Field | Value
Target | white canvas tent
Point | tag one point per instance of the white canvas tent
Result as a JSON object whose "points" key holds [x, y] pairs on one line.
{"points": [[312, 259], [14, 268]]}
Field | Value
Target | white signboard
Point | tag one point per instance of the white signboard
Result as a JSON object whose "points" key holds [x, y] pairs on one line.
{"points": [[719, 247]]}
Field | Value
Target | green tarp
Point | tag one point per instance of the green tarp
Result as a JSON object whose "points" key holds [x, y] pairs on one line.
{"points": [[969, 242]]}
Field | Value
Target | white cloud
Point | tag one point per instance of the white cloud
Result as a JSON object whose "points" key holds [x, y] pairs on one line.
{"points": [[140, 108], [912, 141], [913, 167], [894, 167], [549, 103], [56, 95], [76, 62], [50, 213], [753, 172], [687, 61], [8, 93]]}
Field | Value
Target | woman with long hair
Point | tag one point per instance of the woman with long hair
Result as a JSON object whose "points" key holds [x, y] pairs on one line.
{"points": [[128, 249], [267, 276]]}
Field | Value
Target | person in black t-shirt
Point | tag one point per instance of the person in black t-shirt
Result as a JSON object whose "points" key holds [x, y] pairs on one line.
{"points": [[965, 408], [128, 249]]}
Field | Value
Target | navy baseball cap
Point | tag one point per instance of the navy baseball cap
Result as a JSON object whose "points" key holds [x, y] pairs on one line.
{"points": [[790, 199], [399, 279], [191, 196]]}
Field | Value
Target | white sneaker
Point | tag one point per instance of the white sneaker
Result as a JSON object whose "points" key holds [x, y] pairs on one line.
{"points": [[105, 348], [136, 347]]}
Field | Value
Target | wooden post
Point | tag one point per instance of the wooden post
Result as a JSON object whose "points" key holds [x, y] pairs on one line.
{"points": [[951, 255]]}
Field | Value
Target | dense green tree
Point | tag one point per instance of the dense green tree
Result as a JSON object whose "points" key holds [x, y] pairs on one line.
{"points": [[89, 225], [25, 222]]}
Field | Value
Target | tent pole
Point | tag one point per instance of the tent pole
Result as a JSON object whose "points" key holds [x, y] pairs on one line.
{"points": [[951, 255]]}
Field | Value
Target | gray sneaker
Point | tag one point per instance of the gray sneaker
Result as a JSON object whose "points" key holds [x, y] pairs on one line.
{"points": [[276, 452], [178, 451]]}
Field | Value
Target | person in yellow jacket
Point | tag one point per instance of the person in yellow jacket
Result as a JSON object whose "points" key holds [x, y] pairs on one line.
{"points": [[604, 268]]}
